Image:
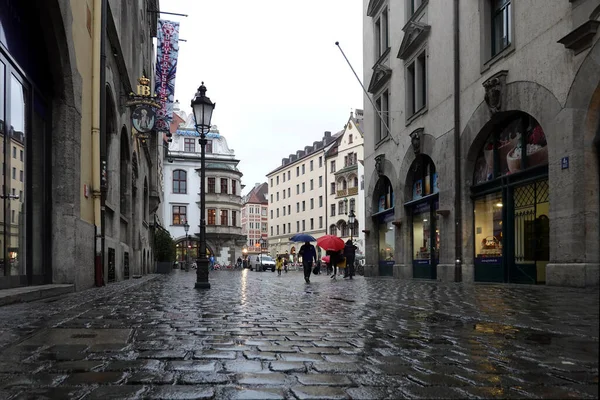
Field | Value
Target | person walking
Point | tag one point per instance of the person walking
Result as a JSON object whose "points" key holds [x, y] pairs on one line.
{"points": [[285, 265], [279, 265], [350, 254], [335, 258], [309, 255]]}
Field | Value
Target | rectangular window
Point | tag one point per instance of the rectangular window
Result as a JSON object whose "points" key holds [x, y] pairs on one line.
{"points": [[212, 185], [320, 222], [320, 201], [332, 213], [189, 145], [14, 152], [416, 80], [303, 205], [277, 180], [224, 185], [320, 161], [278, 229], [332, 165], [277, 212], [14, 173], [289, 227], [224, 219], [312, 223], [297, 226], [271, 231], [312, 204], [283, 194], [283, 228], [21, 175], [303, 187], [413, 6], [382, 123], [212, 216], [21, 155], [283, 209], [298, 189], [312, 186], [277, 195], [332, 191], [298, 207], [283, 176], [233, 218], [289, 175], [271, 214], [501, 25], [303, 171], [271, 182], [209, 146], [303, 225], [179, 215], [289, 192], [297, 171], [233, 187], [320, 181], [312, 165]]}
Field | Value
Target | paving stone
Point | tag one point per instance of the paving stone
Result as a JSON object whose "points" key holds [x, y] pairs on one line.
{"points": [[320, 350], [374, 393], [76, 366], [20, 368], [64, 392], [336, 367], [134, 365], [242, 366], [341, 358], [287, 366], [318, 392], [126, 392], [192, 366], [152, 377], [323, 379], [253, 394], [164, 355], [277, 349], [89, 378], [302, 357], [261, 379], [215, 354], [39, 379], [260, 355], [198, 378]]}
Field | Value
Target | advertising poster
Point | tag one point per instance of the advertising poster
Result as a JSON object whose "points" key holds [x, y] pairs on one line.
{"points": [[166, 67], [418, 189]]}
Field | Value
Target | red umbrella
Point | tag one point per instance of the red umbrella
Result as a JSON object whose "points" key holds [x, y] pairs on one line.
{"points": [[325, 258], [330, 242]]}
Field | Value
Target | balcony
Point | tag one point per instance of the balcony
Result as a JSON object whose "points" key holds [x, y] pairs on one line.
{"points": [[353, 191], [341, 193]]}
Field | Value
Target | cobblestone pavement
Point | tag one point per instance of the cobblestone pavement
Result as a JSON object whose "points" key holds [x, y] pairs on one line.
{"points": [[259, 336]]}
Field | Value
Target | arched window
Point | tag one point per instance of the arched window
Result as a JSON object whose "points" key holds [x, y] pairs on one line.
{"points": [[332, 230], [179, 181], [344, 229], [344, 185], [355, 181]]}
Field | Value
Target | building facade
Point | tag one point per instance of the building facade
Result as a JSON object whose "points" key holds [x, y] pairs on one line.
{"points": [[255, 219], [224, 238], [345, 174], [481, 161], [297, 197], [62, 103]]}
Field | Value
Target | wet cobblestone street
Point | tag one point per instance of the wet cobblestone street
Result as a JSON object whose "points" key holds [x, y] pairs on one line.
{"points": [[259, 336]]}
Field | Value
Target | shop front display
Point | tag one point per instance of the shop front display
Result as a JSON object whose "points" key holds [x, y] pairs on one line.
{"points": [[422, 208], [384, 218], [511, 203]]}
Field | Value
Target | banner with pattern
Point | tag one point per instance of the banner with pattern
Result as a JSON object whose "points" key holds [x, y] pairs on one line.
{"points": [[166, 66]]}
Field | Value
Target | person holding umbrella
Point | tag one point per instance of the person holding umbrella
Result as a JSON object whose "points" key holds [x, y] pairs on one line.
{"points": [[309, 255], [333, 246], [350, 254]]}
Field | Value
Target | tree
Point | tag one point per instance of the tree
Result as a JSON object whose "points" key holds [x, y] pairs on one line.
{"points": [[165, 246]]}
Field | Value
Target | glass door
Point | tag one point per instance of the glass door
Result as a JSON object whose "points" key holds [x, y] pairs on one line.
{"points": [[426, 240]]}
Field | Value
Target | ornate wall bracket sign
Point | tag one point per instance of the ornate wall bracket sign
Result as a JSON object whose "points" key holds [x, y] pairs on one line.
{"points": [[495, 88], [143, 109]]}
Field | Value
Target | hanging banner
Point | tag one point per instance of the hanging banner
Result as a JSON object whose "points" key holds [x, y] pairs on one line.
{"points": [[166, 66]]}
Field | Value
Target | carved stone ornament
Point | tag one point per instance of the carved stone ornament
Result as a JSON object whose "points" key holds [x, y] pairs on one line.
{"points": [[379, 160], [494, 91], [415, 140]]}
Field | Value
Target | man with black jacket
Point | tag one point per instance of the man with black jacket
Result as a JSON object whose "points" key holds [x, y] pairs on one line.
{"points": [[350, 254]]}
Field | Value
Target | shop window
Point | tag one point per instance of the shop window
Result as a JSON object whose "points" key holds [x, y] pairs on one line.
{"points": [[488, 229], [426, 238], [387, 243], [502, 153], [425, 178], [385, 200]]}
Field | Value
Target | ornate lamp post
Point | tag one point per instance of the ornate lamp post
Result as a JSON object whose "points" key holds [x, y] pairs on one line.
{"points": [[351, 219], [203, 109], [186, 227]]}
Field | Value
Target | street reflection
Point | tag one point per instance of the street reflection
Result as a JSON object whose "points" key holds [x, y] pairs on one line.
{"points": [[244, 282]]}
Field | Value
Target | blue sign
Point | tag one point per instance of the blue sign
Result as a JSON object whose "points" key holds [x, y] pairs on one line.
{"points": [[564, 163], [489, 260], [421, 262]]}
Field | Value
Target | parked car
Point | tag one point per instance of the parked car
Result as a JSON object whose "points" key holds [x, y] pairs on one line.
{"points": [[267, 262]]}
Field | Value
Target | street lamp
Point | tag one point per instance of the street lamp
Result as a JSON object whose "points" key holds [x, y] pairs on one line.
{"points": [[203, 109], [186, 227], [351, 219]]}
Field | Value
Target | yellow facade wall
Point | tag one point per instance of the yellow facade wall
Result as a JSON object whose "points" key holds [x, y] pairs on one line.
{"points": [[83, 19]]}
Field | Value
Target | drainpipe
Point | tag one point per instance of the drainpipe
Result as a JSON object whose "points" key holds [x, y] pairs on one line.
{"points": [[98, 109], [103, 155], [457, 165]]}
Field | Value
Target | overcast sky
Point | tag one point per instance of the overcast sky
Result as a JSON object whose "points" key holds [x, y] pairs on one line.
{"points": [[273, 69]]}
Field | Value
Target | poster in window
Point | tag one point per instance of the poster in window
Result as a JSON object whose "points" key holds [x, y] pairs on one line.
{"points": [[436, 189], [381, 203], [418, 189]]}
